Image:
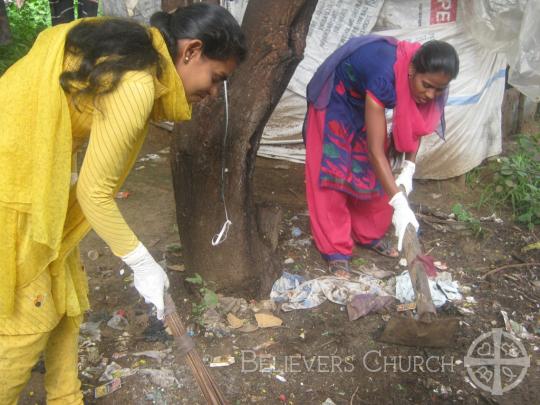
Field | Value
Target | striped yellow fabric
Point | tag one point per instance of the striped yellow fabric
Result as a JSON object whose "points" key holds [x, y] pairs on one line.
{"points": [[41, 217], [35, 311], [19, 353], [116, 127]]}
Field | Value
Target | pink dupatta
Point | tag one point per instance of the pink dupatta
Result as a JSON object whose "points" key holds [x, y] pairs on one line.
{"points": [[411, 121]]}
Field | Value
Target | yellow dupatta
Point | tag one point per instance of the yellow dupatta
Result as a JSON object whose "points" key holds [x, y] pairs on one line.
{"points": [[35, 170]]}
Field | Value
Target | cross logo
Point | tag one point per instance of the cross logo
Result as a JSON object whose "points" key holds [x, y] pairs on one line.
{"points": [[497, 361]]}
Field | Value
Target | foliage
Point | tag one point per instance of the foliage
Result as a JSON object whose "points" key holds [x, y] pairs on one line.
{"points": [[25, 24], [358, 262], [465, 216], [473, 177], [516, 181], [174, 248], [209, 297]]}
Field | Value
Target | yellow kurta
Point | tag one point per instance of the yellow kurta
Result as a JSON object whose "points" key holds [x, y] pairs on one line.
{"points": [[42, 218]]}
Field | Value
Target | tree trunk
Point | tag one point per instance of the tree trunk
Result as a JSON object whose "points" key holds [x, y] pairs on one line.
{"points": [[5, 33], [275, 32]]}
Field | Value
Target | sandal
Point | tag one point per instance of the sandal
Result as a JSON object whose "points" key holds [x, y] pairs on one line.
{"points": [[340, 268], [384, 248]]}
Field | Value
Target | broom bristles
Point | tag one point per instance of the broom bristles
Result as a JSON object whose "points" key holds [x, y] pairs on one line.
{"points": [[204, 379]]}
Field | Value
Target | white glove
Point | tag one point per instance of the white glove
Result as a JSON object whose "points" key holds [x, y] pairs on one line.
{"points": [[149, 278], [405, 177], [402, 217]]}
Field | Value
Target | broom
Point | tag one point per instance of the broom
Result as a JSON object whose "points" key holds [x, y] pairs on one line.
{"points": [[206, 383]]}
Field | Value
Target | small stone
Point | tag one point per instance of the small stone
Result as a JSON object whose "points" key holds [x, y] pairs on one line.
{"points": [[248, 327], [470, 300], [263, 305], [93, 254], [465, 289]]}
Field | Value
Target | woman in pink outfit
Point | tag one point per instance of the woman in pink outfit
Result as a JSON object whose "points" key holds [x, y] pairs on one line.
{"points": [[351, 192]]}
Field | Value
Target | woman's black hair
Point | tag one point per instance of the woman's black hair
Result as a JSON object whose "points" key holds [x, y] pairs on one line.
{"points": [[437, 56], [213, 25], [108, 48]]}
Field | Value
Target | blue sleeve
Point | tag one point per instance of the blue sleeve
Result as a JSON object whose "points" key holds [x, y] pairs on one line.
{"points": [[373, 65]]}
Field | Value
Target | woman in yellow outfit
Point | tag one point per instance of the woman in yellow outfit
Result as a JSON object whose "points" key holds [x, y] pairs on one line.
{"points": [[100, 80]]}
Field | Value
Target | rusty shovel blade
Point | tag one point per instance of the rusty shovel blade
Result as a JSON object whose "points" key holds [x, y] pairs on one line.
{"points": [[412, 332]]}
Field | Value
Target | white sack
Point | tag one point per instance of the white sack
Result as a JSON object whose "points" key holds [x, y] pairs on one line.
{"points": [[140, 10], [511, 27], [415, 13]]}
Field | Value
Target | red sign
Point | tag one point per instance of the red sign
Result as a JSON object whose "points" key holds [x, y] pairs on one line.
{"points": [[443, 11]]}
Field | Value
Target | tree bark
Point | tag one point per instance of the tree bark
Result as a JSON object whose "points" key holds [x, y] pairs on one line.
{"points": [[275, 32], [5, 32]]}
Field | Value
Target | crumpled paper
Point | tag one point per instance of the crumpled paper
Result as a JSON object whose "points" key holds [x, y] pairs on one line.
{"points": [[442, 289], [296, 293]]}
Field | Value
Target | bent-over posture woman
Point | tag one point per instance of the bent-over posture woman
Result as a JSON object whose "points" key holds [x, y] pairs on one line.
{"points": [[98, 80], [352, 195]]}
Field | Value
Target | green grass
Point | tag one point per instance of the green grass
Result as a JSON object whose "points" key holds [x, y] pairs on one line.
{"points": [[209, 298], [25, 24], [465, 216], [516, 181]]}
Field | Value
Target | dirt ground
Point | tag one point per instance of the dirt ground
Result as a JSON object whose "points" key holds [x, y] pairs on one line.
{"points": [[319, 354]]}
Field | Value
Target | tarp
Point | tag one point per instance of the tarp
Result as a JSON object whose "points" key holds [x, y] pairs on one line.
{"points": [[140, 10], [487, 34], [511, 27], [474, 107]]}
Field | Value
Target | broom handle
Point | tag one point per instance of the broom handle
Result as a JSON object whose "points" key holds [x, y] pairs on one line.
{"points": [[424, 303], [206, 383]]}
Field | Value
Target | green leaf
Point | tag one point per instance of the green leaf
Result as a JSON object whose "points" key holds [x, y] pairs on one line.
{"points": [[359, 262], [527, 217], [210, 298], [196, 279], [174, 248]]}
